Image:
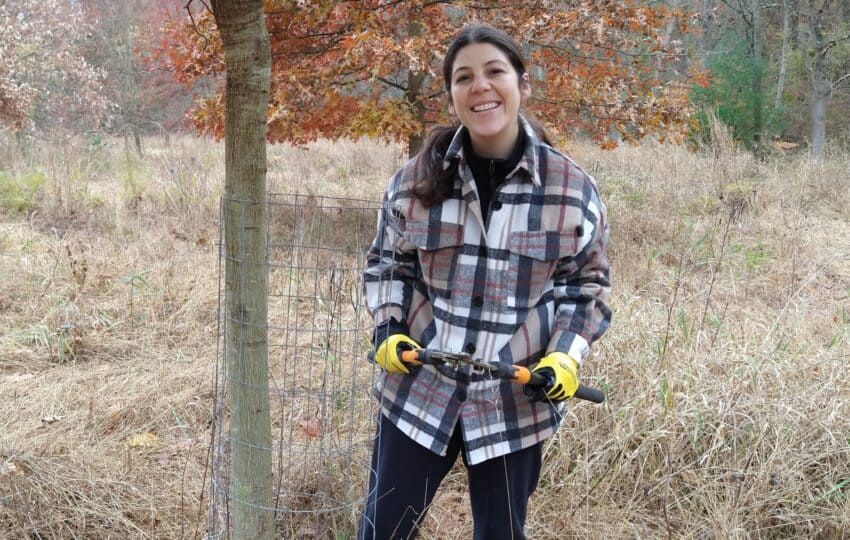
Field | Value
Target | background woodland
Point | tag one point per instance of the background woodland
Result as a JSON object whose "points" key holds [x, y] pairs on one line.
{"points": [[776, 73]]}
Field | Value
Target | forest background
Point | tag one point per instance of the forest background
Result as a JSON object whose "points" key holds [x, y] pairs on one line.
{"points": [[730, 114]]}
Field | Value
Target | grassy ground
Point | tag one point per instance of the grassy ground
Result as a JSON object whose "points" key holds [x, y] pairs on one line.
{"points": [[728, 414]]}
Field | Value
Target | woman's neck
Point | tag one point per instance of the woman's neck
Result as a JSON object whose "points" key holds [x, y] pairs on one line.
{"points": [[498, 146]]}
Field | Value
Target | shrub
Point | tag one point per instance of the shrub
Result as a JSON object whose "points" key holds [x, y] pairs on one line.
{"points": [[19, 194]]}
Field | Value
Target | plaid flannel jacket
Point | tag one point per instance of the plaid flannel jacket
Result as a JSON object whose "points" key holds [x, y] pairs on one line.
{"points": [[534, 280]]}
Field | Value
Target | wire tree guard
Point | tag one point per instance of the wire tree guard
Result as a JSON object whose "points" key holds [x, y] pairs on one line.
{"points": [[318, 338]]}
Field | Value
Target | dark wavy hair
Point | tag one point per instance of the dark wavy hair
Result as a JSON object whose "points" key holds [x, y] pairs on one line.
{"points": [[436, 184]]}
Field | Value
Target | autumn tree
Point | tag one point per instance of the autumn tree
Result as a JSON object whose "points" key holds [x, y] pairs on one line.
{"points": [[371, 68], [45, 80]]}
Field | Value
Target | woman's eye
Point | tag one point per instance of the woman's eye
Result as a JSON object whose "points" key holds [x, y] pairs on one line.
{"points": [[462, 78]]}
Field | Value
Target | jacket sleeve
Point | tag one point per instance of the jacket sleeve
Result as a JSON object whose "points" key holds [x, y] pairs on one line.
{"points": [[390, 269], [582, 286]]}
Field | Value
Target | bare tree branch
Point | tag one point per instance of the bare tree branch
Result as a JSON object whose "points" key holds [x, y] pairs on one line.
{"points": [[840, 80], [833, 42], [188, 8], [394, 84]]}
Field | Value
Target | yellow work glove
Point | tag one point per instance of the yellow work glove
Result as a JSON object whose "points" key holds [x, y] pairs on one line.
{"points": [[388, 355], [562, 371]]}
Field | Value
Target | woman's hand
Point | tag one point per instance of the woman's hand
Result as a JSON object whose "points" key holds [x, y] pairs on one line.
{"points": [[388, 355], [562, 370]]}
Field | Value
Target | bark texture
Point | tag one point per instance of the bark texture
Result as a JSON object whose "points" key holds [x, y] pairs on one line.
{"points": [[783, 59], [248, 63], [413, 95], [819, 78]]}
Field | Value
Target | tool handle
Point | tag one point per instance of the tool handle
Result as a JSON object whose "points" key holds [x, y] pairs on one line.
{"points": [[534, 381], [538, 382], [588, 393], [415, 356]]}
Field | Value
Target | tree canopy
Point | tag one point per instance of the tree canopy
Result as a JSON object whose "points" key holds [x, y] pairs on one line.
{"points": [[371, 68]]}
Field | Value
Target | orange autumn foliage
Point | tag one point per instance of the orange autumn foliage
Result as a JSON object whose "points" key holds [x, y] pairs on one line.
{"points": [[372, 68]]}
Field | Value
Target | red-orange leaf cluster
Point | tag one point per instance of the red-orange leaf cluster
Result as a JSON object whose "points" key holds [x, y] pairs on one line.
{"points": [[372, 68]]}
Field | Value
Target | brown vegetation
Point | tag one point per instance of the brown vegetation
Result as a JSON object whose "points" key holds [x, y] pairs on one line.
{"points": [[727, 417]]}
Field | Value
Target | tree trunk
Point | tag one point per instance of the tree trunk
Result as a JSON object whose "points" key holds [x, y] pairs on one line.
{"points": [[703, 36], [130, 98], [821, 86], [819, 103], [247, 59], [414, 88], [783, 59], [415, 81], [758, 106], [137, 139], [795, 25]]}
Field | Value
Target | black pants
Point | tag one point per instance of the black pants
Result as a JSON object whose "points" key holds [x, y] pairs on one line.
{"points": [[405, 477]]}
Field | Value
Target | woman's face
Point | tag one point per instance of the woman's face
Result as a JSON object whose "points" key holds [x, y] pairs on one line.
{"points": [[486, 95]]}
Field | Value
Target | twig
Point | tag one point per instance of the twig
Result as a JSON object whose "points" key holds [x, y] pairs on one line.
{"points": [[669, 465], [670, 307], [714, 273], [188, 9]]}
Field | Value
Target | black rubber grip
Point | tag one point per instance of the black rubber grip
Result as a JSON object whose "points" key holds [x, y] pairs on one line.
{"points": [[540, 382], [588, 393]]}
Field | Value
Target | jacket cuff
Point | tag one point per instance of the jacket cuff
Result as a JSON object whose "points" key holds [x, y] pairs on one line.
{"points": [[388, 328], [572, 344]]}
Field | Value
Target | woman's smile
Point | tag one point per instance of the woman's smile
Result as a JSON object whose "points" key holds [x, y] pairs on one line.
{"points": [[484, 107]]}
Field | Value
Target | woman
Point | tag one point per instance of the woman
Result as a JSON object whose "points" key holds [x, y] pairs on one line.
{"points": [[491, 243]]}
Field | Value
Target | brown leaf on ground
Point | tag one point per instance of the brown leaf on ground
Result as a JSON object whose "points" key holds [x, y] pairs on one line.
{"points": [[312, 428], [143, 440]]}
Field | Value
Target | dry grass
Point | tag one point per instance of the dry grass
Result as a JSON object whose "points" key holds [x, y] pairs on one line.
{"points": [[728, 415]]}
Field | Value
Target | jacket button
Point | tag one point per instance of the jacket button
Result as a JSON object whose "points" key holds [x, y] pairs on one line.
{"points": [[477, 301], [497, 205], [469, 348]]}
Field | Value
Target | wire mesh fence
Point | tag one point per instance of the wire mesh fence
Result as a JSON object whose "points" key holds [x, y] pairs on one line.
{"points": [[318, 337]]}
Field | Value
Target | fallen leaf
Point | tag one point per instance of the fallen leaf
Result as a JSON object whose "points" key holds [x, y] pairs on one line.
{"points": [[8, 468], [143, 440], [14, 466], [784, 145], [311, 428]]}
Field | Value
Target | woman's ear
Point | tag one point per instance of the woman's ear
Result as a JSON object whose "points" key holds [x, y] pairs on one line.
{"points": [[525, 88], [451, 108]]}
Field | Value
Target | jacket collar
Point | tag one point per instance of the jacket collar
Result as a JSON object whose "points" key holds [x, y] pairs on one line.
{"points": [[528, 161]]}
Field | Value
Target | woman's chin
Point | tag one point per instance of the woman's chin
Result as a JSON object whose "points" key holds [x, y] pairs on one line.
{"points": [[486, 131]]}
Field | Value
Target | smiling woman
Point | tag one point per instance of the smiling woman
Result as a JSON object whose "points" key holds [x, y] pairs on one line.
{"points": [[493, 244], [486, 94]]}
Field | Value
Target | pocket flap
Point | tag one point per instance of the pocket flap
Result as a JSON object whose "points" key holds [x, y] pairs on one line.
{"points": [[545, 245], [433, 235]]}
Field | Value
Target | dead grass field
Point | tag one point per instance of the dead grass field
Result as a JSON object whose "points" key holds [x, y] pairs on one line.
{"points": [[729, 400]]}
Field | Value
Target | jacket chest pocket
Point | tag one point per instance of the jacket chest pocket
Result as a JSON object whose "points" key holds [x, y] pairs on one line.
{"points": [[438, 247], [534, 257]]}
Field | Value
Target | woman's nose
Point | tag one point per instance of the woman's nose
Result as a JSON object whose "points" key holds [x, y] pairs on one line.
{"points": [[480, 84]]}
